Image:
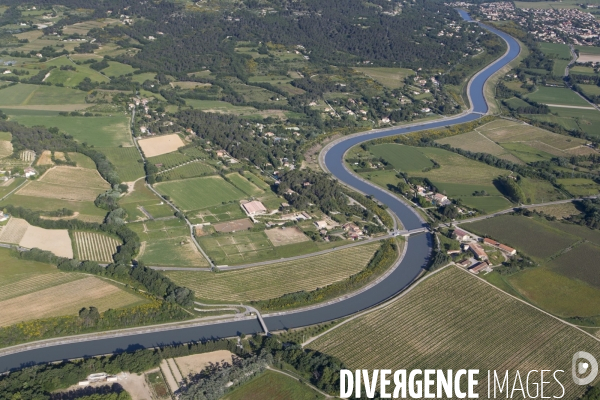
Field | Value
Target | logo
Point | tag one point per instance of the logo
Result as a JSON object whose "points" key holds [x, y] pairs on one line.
{"points": [[580, 367]]}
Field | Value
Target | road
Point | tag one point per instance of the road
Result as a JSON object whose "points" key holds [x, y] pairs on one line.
{"points": [[417, 253]]}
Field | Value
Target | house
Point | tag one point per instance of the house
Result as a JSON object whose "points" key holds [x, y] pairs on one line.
{"points": [[464, 263], [502, 247], [478, 251], [460, 235], [321, 224], [29, 171], [3, 216], [477, 268], [439, 199], [254, 207], [221, 153]]}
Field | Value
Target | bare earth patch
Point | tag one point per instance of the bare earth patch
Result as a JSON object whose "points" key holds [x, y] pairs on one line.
{"points": [[65, 299], [283, 236], [159, 145], [6, 148], [585, 58], [234, 226], [14, 231], [194, 364], [55, 240], [45, 158]]}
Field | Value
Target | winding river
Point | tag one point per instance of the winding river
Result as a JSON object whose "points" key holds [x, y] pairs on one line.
{"points": [[416, 257]]}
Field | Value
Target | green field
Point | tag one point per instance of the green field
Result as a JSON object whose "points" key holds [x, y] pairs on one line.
{"points": [[245, 247], [125, 160], [199, 193], [223, 107], [588, 49], [256, 180], [219, 213], [167, 243], [141, 196], [82, 160], [494, 330], [273, 385], [274, 280], [559, 67], [244, 184], [69, 77], [403, 158], [580, 186], [86, 209], [392, 78], [531, 236], [555, 50], [25, 94], [580, 70], [191, 170], [171, 160], [553, 95], [590, 90], [105, 131], [581, 264], [117, 69]]}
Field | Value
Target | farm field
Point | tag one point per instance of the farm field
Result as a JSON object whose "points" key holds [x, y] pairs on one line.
{"points": [[219, 213], [167, 243], [572, 119], [10, 185], [580, 264], [590, 90], [6, 148], [172, 160], [248, 247], [198, 362], [581, 70], [552, 95], [66, 299], [274, 280], [125, 160], [222, 107], [233, 226], [155, 146], [283, 236], [66, 183], [31, 95], [86, 210], [95, 246], [141, 196], [118, 69], [273, 385], [71, 78], [496, 321], [244, 184], [256, 180], [556, 50], [392, 78], [191, 170], [105, 131], [199, 193], [566, 4], [18, 231], [403, 158], [528, 235]]}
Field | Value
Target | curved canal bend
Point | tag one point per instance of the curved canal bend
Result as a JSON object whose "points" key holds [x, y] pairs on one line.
{"points": [[417, 254]]}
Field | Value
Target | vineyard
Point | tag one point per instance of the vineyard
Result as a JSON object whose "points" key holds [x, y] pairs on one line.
{"points": [[27, 155], [274, 280], [454, 320], [170, 160], [244, 185], [95, 246], [190, 170], [13, 231]]}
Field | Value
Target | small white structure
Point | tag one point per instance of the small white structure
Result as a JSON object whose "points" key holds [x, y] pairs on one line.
{"points": [[29, 171], [4, 217], [321, 224]]}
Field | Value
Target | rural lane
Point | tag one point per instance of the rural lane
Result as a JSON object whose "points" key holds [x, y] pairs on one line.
{"points": [[417, 253]]}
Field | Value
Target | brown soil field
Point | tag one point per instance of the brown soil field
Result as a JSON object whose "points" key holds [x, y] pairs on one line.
{"points": [[169, 378], [54, 240], [6, 148], [234, 226], [67, 183], [65, 299], [95, 246], [45, 158], [196, 363], [584, 58], [15, 287], [13, 231], [159, 145], [283, 236], [559, 210]]}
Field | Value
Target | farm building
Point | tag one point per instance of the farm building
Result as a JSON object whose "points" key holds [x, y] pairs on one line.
{"points": [[353, 230], [321, 224], [481, 266], [478, 251], [29, 171], [508, 250], [440, 199], [460, 235], [3, 216], [254, 207]]}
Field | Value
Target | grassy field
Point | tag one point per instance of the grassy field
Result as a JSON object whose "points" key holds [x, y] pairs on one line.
{"points": [[244, 184], [223, 107], [192, 170], [274, 280], [256, 180], [170, 160], [25, 94], [273, 385], [529, 235], [117, 69], [580, 70], [544, 5], [31, 290], [590, 90], [141, 196], [66, 183], [167, 243], [392, 78], [496, 333], [86, 210], [552, 95], [556, 50], [403, 158], [125, 160], [579, 186], [199, 193], [219, 213], [82, 160], [105, 131], [581, 264]]}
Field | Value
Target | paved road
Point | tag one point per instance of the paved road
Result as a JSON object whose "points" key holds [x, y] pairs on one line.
{"points": [[418, 250]]}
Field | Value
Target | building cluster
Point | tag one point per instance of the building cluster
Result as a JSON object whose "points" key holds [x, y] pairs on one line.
{"points": [[98, 378], [548, 25], [470, 243], [437, 199]]}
